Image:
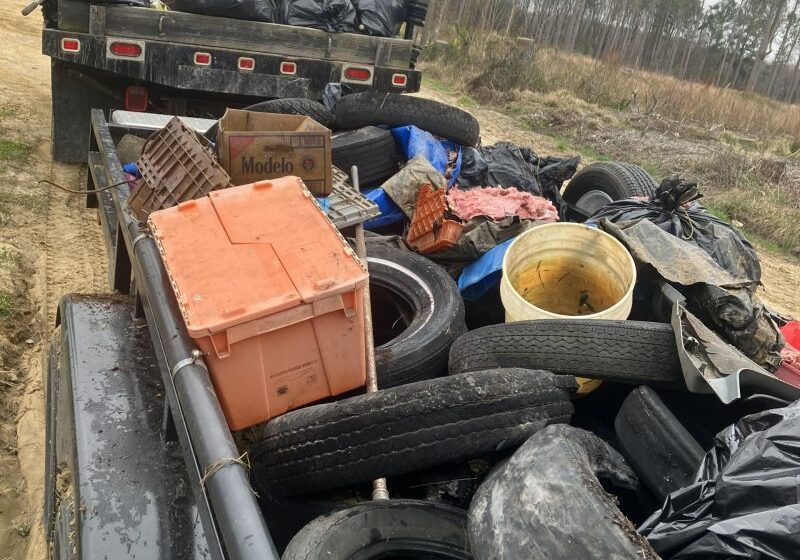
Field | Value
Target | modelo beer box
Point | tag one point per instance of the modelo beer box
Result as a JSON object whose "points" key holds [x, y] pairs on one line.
{"points": [[257, 146]]}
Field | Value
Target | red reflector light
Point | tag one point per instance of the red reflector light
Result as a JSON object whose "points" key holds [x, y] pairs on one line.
{"points": [[359, 74], [202, 59], [246, 63], [399, 80], [131, 50], [70, 45], [289, 68], [136, 98]]}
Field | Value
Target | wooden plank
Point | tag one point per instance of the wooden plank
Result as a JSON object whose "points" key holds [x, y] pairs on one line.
{"points": [[270, 38]]}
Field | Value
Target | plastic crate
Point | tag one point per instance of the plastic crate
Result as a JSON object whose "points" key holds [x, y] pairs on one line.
{"points": [[430, 231], [176, 165], [346, 206]]}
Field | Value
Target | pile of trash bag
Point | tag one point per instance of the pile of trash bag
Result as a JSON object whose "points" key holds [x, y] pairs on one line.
{"points": [[251, 10], [328, 15], [716, 266], [743, 503]]}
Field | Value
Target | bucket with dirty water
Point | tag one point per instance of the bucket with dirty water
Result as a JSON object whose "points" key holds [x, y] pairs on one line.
{"points": [[566, 270]]}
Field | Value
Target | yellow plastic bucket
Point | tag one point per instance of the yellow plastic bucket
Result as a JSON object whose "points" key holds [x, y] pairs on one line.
{"points": [[567, 271]]}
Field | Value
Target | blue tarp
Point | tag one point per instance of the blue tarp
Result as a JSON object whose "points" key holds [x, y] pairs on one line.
{"points": [[479, 277], [412, 141], [390, 212]]}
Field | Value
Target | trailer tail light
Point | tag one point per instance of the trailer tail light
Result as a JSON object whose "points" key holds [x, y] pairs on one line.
{"points": [[399, 80], [246, 63], [288, 68], [136, 98], [128, 50], [70, 45], [357, 74], [202, 59]]}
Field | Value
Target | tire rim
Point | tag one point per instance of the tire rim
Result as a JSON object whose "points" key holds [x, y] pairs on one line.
{"points": [[592, 201]]}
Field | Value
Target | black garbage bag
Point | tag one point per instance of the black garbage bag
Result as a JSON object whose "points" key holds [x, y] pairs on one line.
{"points": [[327, 15], [252, 10], [333, 92], [689, 247], [382, 18], [744, 502], [507, 165], [693, 224], [546, 502]]}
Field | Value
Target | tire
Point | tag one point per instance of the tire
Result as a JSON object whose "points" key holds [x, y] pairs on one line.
{"points": [[429, 304], [369, 108], [597, 184], [382, 529], [417, 12], [621, 351], [287, 106], [407, 428], [546, 502], [370, 148], [663, 453]]}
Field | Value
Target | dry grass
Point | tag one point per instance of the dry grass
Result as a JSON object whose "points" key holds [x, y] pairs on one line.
{"points": [[494, 68]]}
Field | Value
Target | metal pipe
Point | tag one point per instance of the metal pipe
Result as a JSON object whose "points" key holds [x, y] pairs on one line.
{"points": [[379, 489]]}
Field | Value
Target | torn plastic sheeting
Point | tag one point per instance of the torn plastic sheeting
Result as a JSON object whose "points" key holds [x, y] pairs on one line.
{"points": [[479, 277], [546, 502], [500, 165], [694, 224], [725, 302], [403, 187], [744, 502], [391, 213], [381, 18], [251, 10], [333, 92], [413, 142], [327, 15], [498, 203]]}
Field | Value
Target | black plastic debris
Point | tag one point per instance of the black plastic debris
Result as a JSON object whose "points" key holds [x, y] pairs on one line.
{"points": [[382, 18], [744, 502], [252, 10], [333, 92], [327, 15]]}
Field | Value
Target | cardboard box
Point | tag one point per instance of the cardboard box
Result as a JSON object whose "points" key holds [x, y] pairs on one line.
{"points": [[256, 146]]}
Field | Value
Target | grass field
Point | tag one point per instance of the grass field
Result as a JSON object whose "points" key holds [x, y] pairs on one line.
{"points": [[743, 150]]}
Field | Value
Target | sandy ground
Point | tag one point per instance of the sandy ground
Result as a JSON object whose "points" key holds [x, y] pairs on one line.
{"points": [[50, 245]]}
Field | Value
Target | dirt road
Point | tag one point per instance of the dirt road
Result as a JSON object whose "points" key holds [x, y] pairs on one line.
{"points": [[50, 245]]}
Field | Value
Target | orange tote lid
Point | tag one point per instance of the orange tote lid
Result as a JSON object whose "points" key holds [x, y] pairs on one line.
{"points": [[247, 252]]}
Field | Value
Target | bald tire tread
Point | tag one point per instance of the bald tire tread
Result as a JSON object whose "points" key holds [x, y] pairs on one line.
{"points": [[634, 352], [408, 428], [373, 529], [618, 179], [370, 108]]}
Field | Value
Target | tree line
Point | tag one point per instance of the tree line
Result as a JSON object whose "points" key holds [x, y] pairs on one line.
{"points": [[751, 45]]}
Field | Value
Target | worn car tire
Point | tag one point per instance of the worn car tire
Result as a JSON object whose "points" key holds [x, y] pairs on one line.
{"points": [[407, 428], [406, 528], [663, 453], [431, 306], [634, 352], [371, 149], [393, 109], [600, 183], [287, 106]]}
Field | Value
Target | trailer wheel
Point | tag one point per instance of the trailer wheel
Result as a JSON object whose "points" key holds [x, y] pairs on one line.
{"points": [[393, 109], [597, 184], [417, 314], [384, 529], [634, 352], [408, 428]]}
